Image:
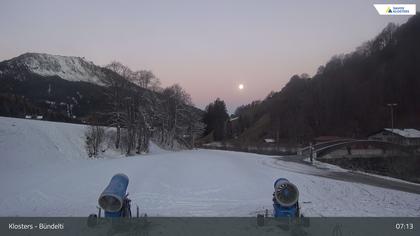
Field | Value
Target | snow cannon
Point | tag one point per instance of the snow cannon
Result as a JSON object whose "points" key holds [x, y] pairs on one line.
{"points": [[114, 199], [285, 199]]}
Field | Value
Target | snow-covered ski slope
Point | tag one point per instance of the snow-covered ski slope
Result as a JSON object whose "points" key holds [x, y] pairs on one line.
{"points": [[44, 171]]}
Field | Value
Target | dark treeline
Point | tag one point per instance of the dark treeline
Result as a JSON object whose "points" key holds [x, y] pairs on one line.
{"points": [[348, 96]]}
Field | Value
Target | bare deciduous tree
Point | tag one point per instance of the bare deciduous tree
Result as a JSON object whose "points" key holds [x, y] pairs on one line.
{"points": [[146, 79], [140, 114], [94, 139]]}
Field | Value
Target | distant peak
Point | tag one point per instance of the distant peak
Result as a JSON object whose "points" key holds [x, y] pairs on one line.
{"points": [[70, 68]]}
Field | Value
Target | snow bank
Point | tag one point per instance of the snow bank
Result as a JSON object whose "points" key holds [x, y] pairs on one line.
{"points": [[45, 172]]}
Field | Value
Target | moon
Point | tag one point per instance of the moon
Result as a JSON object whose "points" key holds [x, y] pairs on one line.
{"points": [[241, 87]]}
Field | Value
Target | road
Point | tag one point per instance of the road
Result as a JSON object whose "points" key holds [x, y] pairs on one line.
{"points": [[349, 176]]}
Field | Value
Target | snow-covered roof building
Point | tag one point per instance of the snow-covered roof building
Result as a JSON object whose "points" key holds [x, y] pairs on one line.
{"points": [[269, 140], [401, 136], [234, 118], [406, 133]]}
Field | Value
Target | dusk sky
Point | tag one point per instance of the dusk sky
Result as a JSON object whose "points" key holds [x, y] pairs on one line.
{"points": [[208, 47]]}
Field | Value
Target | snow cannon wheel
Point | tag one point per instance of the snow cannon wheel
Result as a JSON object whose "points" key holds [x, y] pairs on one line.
{"points": [[305, 221], [92, 220], [260, 220]]}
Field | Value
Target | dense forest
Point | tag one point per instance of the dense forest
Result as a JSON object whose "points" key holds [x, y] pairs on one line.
{"points": [[347, 97]]}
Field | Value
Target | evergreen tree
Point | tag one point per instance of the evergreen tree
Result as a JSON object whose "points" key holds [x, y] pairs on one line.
{"points": [[215, 119]]}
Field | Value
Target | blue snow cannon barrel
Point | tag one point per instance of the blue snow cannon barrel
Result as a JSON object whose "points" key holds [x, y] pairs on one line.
{"points": [[112, 198], [285, 199]]}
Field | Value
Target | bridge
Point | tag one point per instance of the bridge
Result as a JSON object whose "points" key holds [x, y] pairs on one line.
{"points": [[306, 150]]}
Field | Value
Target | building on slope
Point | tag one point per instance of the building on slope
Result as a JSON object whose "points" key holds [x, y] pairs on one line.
{"points": [[408, 137]]}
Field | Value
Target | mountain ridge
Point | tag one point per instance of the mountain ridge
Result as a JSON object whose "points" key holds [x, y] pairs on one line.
{"points": [[71, 68]]}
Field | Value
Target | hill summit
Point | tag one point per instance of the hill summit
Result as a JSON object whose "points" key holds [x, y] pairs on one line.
{"points": [[66, 67]]}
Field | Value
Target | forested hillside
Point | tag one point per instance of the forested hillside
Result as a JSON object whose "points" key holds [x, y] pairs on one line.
{"points": [[348, 96]]}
